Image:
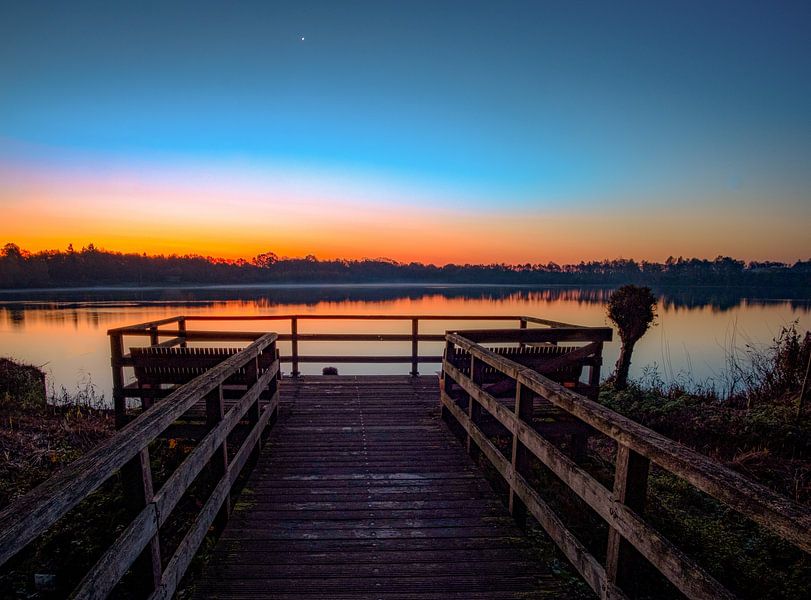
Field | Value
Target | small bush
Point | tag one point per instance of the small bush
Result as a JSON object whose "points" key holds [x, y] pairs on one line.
{"points": [[21, 386]]}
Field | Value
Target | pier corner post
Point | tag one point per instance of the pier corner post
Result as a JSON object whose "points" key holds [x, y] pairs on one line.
{"points": [[415, 325], [294, 346]]}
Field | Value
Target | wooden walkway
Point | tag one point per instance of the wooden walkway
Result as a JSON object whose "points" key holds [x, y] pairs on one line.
{"points": [[362, 492]]}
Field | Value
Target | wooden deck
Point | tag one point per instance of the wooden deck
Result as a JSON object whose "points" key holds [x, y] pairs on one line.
{"points": [[362, 492]]}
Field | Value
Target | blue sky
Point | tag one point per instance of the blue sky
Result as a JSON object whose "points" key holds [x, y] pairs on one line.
{"points": [[531, 106]]}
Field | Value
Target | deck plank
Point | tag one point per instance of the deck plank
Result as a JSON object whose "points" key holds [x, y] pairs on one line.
{"points": [[361, 493]]}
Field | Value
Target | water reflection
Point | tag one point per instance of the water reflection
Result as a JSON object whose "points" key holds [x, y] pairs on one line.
{"points": [[718, 298], [698, 327]]}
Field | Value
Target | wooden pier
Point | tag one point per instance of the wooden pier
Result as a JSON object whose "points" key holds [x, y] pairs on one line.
{"points": [[361, 493], [373, 486]]}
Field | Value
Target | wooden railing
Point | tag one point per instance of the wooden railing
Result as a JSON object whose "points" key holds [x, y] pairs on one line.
{"points": [[637, 446], [160, 333], [127, 452]]}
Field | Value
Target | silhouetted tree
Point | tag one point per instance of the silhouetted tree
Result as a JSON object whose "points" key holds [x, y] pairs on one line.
{"points": [[265, 260], [93, 265], [633, 310]]}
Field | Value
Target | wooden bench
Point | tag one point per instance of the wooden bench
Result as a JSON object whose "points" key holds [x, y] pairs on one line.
{"points": [[159, 370], [562, 364]]}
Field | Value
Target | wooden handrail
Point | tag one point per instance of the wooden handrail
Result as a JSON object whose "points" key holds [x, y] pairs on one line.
{"points": [[182, 335], [37, 511], [774, 512], [555, 331], [535, 336]]}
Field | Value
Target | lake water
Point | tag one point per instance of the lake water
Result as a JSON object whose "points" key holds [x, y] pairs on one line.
{"points": [[65, 330]]}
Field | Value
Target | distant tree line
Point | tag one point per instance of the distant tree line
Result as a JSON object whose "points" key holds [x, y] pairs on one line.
{"points": [[92, 266]]}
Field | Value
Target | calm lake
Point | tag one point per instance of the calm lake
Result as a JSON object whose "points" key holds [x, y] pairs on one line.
{"points": [[65, 330]]}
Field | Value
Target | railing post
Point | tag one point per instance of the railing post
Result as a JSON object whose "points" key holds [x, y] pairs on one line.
{"points": [[181, 327], [215, 410], [415, 325], [116, 359], [294, 345], [138, 490], [153, 336], [524, 410], [446, 382], [274, 386], [255, 410], [630, 489], [594, 373], [474, 409], [522, 324]]}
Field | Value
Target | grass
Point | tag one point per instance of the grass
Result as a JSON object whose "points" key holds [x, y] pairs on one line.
{"points": [[42, 433], [754, 427], [39, 434]]}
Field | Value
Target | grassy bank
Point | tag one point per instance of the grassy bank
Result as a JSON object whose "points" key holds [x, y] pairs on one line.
{"points": [[40, 433], [37, 437], [755, 428]]}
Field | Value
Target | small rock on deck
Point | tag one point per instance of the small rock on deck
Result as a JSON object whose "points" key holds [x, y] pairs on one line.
{"points": [[362, 492]]}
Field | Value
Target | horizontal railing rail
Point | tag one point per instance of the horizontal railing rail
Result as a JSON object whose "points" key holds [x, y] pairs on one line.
{"points": [[127, 452], [621, 507], [160, 333]]}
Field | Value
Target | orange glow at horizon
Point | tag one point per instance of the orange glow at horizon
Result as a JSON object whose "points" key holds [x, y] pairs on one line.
{"points": [[233, 217]]}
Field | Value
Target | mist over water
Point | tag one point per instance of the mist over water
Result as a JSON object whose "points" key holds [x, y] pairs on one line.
{"points": [[65, 330]]}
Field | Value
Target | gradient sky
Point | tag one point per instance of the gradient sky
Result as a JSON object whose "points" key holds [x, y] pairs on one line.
{"points": [[437, 131]]}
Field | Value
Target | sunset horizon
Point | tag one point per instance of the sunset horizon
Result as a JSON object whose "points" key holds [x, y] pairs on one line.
{"points": [[250, 255], [422, 134], [425, 299]]}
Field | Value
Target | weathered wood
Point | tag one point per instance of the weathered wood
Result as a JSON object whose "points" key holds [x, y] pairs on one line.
{"points": [[683, 572], [524, 411], [115, 562], [557, 334], [574, 356], [360, 317], [215, 411], [365, 337], [294, 346], [182, 557], [343, 358], [581, 559], [622, 509], [182, 335], [415, 324], [116, 361], [35, 512], [361, 494], [594, 374], [170, 343], [547, 322], [151, 558], [181, 327], [179, 481], [630, 488], [142, 327], [474, 409], [522, 324], [254, 410], [777, 513], [355, 466]]}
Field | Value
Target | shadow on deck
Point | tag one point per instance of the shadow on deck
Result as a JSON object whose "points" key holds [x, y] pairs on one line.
{"points": [[362, 492]]}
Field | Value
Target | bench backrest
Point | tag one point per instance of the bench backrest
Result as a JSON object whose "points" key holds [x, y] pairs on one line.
{"points": [[156, 365]]}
